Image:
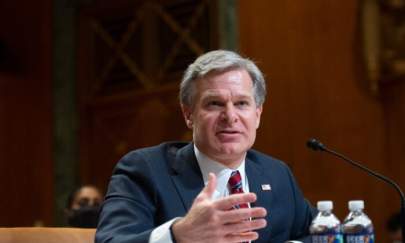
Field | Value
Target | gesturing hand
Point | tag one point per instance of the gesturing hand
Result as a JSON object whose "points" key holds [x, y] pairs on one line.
{"points": [[212, 220]]}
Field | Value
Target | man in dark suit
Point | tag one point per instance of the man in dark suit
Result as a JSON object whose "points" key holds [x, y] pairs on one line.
{"points": [[215, 189]]}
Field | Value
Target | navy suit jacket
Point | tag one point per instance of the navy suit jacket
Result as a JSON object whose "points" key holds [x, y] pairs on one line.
{"points": [[153, 185]]}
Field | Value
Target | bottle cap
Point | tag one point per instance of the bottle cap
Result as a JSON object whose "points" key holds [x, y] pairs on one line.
{"points": [[324, 205], [356, 205]]}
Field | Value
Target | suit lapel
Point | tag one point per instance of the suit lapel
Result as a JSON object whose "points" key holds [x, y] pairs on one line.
{"points": [[187, 176], [259, 183]]}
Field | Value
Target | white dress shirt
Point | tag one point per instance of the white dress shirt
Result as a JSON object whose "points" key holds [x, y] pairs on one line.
{"points": [[222, 173], [161, 234]]}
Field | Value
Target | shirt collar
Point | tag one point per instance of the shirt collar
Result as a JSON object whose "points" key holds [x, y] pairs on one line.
{"points": [[222, 172]]}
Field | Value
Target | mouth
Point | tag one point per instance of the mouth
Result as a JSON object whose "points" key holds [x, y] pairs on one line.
{"points": [[228, 132]]}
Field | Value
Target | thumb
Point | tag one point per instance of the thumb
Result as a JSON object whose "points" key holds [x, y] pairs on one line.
{"points": [[211, 185]]}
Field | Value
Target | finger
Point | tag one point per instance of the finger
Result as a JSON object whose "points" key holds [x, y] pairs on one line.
{"points": [[228, 202], [211, 185], [237, 215], [242, 237], [245, 226]]}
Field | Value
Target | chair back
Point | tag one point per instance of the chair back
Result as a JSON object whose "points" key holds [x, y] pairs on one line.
{"points": [[46, 235]]}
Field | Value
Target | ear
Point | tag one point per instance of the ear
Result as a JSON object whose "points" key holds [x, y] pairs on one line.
{"points": [[259, 110], [188, 115]]}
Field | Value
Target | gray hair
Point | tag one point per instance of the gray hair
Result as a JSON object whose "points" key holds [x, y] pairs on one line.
{"points": [[219, 61]]}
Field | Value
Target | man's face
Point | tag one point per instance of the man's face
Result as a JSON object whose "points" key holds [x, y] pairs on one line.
{"points": [[224, 116]]}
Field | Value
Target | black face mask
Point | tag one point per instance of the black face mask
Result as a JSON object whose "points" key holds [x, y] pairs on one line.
{"points": [[84, 217]]}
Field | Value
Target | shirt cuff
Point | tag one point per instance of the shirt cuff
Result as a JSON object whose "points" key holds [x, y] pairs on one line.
{"points": [[162, 234]]}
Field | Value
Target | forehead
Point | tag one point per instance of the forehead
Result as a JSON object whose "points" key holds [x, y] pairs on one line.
{"points": [[88, 192], [235, 81]]}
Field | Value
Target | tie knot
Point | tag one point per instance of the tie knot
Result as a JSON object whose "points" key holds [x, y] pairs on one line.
{"points": [[235, 181]]}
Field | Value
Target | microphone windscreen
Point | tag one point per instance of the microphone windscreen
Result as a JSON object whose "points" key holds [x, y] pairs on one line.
{"points": [[315, 144]]}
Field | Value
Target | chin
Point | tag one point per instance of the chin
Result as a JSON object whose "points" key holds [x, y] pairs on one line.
{"points": [[231, 149]]}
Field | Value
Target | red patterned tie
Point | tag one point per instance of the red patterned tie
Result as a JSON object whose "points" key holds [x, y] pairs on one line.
{"points": [[235, 186]]}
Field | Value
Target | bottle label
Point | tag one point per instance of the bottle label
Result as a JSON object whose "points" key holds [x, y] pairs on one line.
{"points": [[359, 238], [327, 238]]}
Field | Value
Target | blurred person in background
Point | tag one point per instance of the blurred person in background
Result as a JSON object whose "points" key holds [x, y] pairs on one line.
{"points": [[394, 228], [83, 205]]}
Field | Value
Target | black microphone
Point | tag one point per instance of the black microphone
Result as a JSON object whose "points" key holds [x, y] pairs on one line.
{"points": [[316, 145]]}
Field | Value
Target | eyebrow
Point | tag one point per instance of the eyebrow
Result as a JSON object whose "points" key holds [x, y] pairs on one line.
{"points": [[211, 95]]}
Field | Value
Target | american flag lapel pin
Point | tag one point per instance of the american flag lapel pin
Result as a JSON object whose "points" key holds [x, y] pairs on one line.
{"points": [[266, 187]]}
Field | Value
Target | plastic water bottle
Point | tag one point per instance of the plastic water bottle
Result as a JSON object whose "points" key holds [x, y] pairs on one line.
{"points": [[325, 228], [357, 226]]}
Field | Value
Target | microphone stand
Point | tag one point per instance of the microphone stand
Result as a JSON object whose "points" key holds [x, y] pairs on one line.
{"points": [[316, 145]]}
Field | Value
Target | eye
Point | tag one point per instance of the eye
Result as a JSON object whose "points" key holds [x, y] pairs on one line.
{"points": [[214, 103], [83, 202], [242, 103]]}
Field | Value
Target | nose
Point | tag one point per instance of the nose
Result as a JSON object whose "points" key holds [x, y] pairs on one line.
{"points": [[229, 115]]}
